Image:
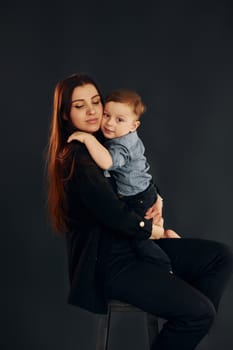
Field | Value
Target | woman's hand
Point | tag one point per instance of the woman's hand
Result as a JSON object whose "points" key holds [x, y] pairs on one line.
{"points": [[159, 222], [79, 136], [157, 232], [155, 212]]}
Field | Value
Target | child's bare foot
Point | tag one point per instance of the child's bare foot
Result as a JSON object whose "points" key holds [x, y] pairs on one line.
{"points": [[171, 234]]}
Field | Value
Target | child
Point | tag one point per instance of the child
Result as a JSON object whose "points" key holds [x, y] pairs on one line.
{"points": [[123, 157]]}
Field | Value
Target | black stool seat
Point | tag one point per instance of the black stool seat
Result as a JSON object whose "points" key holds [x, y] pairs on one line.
{"points": [[121, 310]]}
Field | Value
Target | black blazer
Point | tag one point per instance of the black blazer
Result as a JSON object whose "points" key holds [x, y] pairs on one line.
{"points": [[93, 210]]}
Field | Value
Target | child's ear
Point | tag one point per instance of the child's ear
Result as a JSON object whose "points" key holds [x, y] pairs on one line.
{"points": [[135, 125]]}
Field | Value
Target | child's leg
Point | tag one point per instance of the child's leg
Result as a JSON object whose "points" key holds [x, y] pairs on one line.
{"points": [[171, 234], [147, 249]]}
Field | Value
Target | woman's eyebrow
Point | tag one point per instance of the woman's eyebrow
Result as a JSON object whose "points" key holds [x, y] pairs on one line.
{"points": [[97, 95], [78, 99], [83, 99]]}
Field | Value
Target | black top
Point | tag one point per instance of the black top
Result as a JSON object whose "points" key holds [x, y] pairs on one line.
{"points": [[96, 218]]}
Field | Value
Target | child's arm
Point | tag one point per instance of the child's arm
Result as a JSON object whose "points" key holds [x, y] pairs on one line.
{"points": [[97, 151]]}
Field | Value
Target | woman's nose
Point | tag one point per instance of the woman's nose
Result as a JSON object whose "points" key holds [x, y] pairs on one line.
{"points": [[91, 110]]}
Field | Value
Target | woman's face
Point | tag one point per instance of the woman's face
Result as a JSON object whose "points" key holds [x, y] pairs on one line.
{"points": [[86, 108]]}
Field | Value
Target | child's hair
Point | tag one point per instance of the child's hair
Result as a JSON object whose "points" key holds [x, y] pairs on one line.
{"points": [[129, 97]]}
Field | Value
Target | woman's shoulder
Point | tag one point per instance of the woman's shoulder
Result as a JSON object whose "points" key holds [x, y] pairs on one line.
{"points": [[77, 149], [80, 154], [77, 163]]}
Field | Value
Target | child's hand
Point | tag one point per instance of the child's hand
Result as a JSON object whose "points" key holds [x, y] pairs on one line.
{"points": [[170, 234], [79, 136]]}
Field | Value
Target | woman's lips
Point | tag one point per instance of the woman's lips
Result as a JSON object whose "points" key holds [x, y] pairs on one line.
{"points": [[93, 121]]}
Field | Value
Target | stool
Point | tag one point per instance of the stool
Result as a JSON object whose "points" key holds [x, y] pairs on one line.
{"points": [[104, 323]]}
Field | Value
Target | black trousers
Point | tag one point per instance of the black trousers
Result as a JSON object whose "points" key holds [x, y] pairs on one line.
{"points": [[188, 299], [147, 249]]}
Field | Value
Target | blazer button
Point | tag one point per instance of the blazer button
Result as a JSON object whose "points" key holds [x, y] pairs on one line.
{"points": [[141, 223]]}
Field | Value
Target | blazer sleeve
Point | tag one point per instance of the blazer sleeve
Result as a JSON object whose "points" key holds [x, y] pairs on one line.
{"points": [[97, 194]]}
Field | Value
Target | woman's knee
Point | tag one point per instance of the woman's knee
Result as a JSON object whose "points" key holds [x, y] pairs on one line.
{"points": [[208, 311], [202, 314], [225, 255]]}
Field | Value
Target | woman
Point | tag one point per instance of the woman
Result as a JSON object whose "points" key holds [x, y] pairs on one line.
{"points": [[99, 228]]}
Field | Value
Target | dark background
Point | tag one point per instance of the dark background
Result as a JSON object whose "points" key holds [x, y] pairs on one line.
{"points": [[179, 56]]}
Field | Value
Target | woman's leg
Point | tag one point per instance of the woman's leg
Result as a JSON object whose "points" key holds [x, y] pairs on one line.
{"points": [[206, 265], [201, 268], [189, 313]]}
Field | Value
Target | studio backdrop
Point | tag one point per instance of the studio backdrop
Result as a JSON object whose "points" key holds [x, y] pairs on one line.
{"points": [[179, 56]]}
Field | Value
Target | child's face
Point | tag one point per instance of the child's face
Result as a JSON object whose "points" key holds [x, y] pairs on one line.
{"points": [[118, 120]]}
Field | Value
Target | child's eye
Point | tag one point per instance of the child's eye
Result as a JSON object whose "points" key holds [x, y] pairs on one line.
{"points": [[119, 120], [106, 115]]}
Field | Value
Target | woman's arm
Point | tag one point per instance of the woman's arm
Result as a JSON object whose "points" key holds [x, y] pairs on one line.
{"points": [[98, 152], [98, 196]]}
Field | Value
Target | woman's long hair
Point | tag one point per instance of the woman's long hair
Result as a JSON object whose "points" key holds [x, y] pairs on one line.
{"points": [[57, 151]]}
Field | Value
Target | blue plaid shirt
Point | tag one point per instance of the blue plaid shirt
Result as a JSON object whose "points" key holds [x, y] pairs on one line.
{"points": [[130, 167]]}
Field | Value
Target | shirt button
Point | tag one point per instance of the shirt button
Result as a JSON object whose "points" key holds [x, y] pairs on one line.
{"points": [[141, 223]]}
